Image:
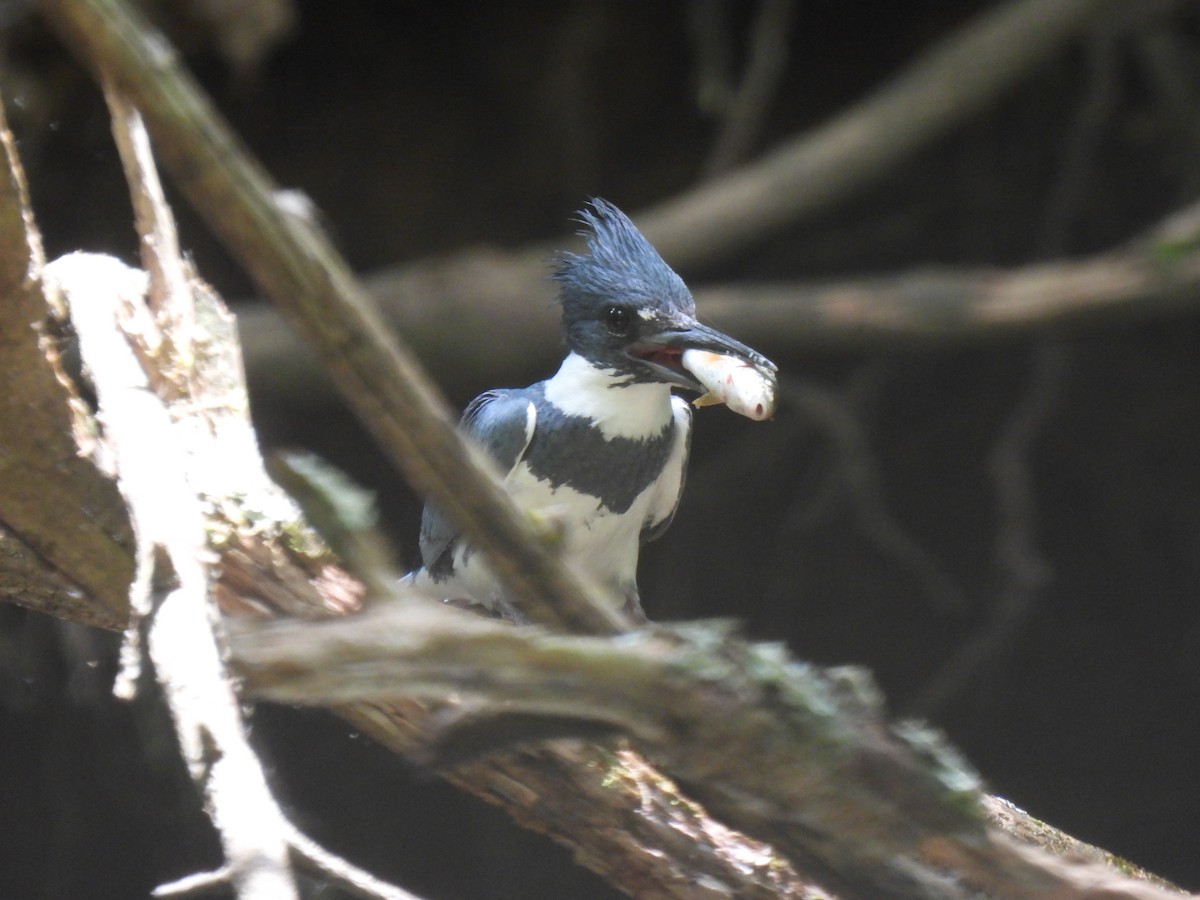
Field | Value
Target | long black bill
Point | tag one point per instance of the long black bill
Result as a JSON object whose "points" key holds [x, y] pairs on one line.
{"points": [[664, 352]]}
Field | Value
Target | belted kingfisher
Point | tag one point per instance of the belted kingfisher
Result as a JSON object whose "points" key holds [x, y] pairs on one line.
{"points": [[602, 446]]}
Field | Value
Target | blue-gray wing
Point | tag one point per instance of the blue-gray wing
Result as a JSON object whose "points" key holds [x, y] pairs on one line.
{"points": [[501, 423]]}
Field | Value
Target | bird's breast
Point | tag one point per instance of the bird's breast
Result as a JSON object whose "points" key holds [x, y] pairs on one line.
{"points": [[601, 540], [573, 452]]}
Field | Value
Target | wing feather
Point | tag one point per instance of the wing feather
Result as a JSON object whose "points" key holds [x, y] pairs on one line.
{"points": [[501, 423]]}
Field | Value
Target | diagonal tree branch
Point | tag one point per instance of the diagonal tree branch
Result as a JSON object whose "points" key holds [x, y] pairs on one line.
{"points": [[951, 82], [294, 264], [799, 757]]}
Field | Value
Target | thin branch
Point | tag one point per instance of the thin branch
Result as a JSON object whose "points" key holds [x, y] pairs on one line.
{"points": [[1075, 168], [307, 854], [768, 55], [855, 473], [196, 883], [951, 82], [167, 283], [1022, 568], [708, 35], [1151, 275], [453, 307], [312, 856], [155, 225]]}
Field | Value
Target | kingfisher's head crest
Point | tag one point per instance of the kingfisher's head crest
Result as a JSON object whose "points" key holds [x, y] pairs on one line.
{"points": [[619, 288]]}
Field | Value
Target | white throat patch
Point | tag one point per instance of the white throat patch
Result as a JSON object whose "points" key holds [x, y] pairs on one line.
{"points": [[619, 409]]}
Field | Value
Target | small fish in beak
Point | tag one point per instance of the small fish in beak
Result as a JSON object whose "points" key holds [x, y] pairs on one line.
{"points": [[747, 389]]}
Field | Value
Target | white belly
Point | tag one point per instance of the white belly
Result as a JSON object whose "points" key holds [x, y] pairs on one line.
{"points": [[602, 544]]}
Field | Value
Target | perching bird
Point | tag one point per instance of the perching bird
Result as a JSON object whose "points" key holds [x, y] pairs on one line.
{"points": [[602, 446]]}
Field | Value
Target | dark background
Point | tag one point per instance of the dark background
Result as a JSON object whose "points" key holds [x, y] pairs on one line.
{"points": [[1006, 531]]}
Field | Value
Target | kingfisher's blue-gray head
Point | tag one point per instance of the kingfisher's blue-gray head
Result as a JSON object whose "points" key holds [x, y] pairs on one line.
{"points": [[625, 309]]}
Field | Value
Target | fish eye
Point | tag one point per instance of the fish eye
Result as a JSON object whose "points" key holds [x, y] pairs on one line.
{"points": [[618, 319]]}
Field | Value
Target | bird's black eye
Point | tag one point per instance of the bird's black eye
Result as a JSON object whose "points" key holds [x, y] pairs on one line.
{"points": [[618, 319]]}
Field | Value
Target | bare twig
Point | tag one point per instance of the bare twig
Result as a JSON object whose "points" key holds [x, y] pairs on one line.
{"points": [[1163, 53], [1077, 160], [196, 883], [743, 120], [1022, 568], [855, 473], [169, 288], [948, 84], [308, 853], [1151, 275], [709, 34], [155, 226]]}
